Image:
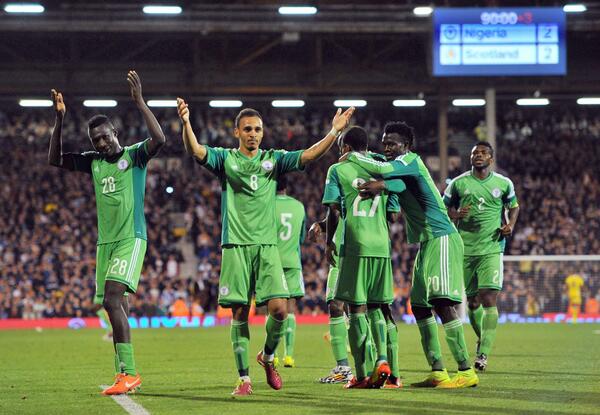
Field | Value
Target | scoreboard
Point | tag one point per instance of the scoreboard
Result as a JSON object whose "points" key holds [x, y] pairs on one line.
{"points": [[499, 42]]}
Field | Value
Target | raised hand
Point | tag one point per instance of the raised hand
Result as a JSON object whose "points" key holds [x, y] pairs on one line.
{"points": [[183, 111], [342, 119], [135, 86], [59, 104]]}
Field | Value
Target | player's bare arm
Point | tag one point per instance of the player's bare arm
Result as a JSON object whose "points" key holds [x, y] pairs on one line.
{"points": [[330, 227], [157, 137], [459, 213], [340, 121], [190, 142], [55, 151], [371, 189], [507, 228]]}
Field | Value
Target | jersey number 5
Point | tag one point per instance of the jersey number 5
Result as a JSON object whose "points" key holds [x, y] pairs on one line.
{"points": [[285, 221]]}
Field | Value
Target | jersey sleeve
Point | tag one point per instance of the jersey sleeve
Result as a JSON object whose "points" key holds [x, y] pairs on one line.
{"points": [[215, 159], [78, 162], [451, 198], [139, 154], [393, 203], [332, 192], [510, 197], [388, 170], [288, 161]]}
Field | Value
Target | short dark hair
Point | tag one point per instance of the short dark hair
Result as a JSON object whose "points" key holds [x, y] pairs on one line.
{"points": [[405, 131], [485, 144], [357, 138], [282, 183], [246, 112], [97, 120]]}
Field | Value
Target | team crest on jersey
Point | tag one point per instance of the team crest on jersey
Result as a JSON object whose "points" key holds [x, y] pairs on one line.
{"points": [[235, 167], [122, 164], [467, 192], [267, 165], [496, 192], [224, 291]]}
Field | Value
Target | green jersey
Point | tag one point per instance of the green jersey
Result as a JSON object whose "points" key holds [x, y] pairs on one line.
{"points": [[421, 202], [248, 190], [365, 231], [120, 186], [290, 231], [488, 198]]}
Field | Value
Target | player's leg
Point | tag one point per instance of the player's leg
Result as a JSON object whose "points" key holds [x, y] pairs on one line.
{"points": [[574, 307], [338, 336], [235, 292], [125, 267], [490, 268], [272, 289], [295, 284], [104, 321], [475, 310], [393, 381], [426, 323]]}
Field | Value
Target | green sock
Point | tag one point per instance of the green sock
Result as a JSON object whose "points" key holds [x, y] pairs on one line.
{"points": [[290, 334], [455, 337], [274, 333], [430, 342], [358, 334], [117, 363], [379, 331], [488, 329], [371, 356], [104, 318], [240, 340], [339, 337], [475, 317], [392, 348], [126, 360]]}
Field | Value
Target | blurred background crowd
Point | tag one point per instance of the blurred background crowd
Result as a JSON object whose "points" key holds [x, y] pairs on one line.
{"points": [[48, 215]]}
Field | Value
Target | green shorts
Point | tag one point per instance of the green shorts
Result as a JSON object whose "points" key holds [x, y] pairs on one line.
{"points": [[295, 282], [365, 280], [248, 270], [119, 261], [332, 278], [483, 271], [438, 271]]}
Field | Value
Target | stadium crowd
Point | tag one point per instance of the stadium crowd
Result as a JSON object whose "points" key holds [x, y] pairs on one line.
{"points": [[48, 216]]}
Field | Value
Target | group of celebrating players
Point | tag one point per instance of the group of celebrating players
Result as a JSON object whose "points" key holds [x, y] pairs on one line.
{"points": [[263, 228]]}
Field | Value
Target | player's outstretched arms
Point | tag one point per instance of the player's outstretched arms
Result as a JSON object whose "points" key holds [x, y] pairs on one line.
{"points": [[55, 152], [340, 121], [157, 137], [190, 142]]}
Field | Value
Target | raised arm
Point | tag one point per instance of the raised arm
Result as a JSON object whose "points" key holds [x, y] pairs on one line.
{"points": [[157, 137], [55, 151], [340, 121], [190, 142]]}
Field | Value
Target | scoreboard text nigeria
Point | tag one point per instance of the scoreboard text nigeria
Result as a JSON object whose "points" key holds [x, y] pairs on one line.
{"points": [[502, 42]]}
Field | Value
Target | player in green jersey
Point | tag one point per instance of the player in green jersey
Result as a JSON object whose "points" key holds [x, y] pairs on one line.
{"points": [[478, 200], [291, 231], [437, 275], [365, 279], [119, 177], [250, 263]]}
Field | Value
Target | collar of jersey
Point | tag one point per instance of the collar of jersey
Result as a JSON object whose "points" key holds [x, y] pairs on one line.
{"points": [[489, 176], [250, 158]]}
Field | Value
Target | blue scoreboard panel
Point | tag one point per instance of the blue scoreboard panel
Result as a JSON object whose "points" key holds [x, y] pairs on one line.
{"points": [[516, 41]]}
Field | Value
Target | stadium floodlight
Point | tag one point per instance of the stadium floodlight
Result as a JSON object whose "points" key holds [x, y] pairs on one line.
{"points": [[100, 103], [32, 8], [225, 103], [155, 9], [349, 103], [423, 11], [468, 102], [408, 103], [287, 103], [162, 103], [298, 10], [574, 8], [35, 102], [532, 101], [588, 101]]}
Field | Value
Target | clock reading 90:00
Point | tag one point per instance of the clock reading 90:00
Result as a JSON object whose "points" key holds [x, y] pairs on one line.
{"points": [[499, 18]]}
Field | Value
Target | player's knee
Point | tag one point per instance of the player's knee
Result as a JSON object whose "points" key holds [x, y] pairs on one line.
{"points": [[111, 303], [422, 313], [473, 302], [336, 309], [488, 297]]}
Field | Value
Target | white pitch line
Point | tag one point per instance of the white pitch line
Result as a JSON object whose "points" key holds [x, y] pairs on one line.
{"points": [[128, 404]]}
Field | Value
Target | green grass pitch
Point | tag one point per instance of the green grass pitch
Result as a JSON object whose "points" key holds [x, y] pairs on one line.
{"points": [[535, 369]]}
